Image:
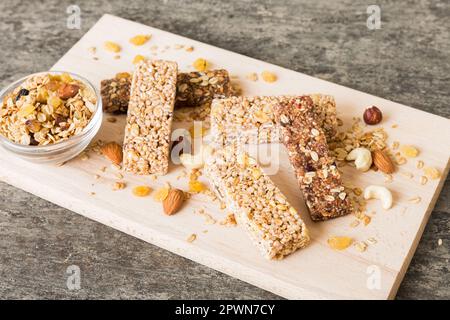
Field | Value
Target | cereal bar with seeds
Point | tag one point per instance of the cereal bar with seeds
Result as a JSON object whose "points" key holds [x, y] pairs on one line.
{"points": [[193, 89], [149, 120], [251, 120], [315, 168], [272, 223], [116, 93], [198, 88]]}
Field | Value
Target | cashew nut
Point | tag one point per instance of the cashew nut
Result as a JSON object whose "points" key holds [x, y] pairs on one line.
{"points": [[381, 193], [362, 157], [197, 160]]}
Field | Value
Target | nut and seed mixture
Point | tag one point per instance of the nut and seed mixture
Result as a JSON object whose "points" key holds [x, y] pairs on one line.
{"points": [[46, 109], [251, 119], [149, 120], [116, 93], [197, 88], [315, 168], [273, 224]]}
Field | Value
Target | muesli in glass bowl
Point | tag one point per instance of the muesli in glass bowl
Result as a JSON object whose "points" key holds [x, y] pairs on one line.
{"points": [[49, 117]]}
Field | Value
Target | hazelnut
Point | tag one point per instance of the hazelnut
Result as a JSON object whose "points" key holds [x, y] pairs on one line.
{"points": [[372, 115]]}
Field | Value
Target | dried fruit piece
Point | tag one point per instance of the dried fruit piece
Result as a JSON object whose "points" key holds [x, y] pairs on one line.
{"points": [[141, 191], [196, 186], [65, 77], [123, 75], [66, 91], [140, 39], [372, 115], [112, 46], [409, 151], [340, 243], [432, 173], [22, 92], [200, 64], [173, 201], [138, 59], [269, 76], [54, 102], [161, 194], [383, 162], [25, 110], [113, 152], [33, 125]]}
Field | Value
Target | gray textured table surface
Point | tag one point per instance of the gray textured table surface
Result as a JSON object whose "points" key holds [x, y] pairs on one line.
{"points": [[407, 60]]}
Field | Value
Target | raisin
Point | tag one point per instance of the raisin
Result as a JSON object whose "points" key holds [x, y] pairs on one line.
{"points": [[33, 141], [22, 92]]}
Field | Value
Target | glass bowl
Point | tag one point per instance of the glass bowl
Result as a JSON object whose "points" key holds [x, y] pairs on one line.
{"points": [[61, 151]]}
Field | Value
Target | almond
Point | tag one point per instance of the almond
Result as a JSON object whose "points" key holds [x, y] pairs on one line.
{"points": [[383, 162], [67, 91], [113, 152], [173, 202]]}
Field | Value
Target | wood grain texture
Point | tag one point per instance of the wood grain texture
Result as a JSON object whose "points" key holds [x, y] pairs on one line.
{"points": [[431, 259]]}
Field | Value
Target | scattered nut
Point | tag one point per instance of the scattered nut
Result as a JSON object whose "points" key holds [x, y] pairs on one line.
{"points": [[372, 115], [113, 152], [383, 162], [173, 202], [381, 193], [196, 161], [362, 158]]}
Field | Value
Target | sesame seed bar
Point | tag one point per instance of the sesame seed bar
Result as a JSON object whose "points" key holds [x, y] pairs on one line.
{"points": [[193, 89], [198, 88], [272, 223], [251, 120], [315, 168], [149, 120], [116, 93]]}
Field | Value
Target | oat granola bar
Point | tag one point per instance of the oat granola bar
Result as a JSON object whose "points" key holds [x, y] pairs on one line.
{"points": [[193, 89], [198, 88], [272, 223], [251, 120], [149, 120], [116, 93], [315, 168]]}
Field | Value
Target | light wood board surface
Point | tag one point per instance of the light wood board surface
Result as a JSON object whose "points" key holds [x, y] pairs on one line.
{"points": [[314, 272]]}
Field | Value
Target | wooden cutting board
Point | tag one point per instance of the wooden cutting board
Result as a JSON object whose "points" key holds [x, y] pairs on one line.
{"points": [[314, 272]]}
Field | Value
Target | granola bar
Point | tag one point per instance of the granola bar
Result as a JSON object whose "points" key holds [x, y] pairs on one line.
{"points": [[198, 88], [251, 120], [116, 93], [273, 224], [315, 168], [149, 120]]}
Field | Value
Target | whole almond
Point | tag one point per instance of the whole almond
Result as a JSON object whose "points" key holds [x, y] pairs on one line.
{"points": [[113, 152], [382, 161], [173, 202], [67, 91]]}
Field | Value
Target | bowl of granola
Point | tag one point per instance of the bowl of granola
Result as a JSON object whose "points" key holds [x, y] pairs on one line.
{"points": [[49, 117]]}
